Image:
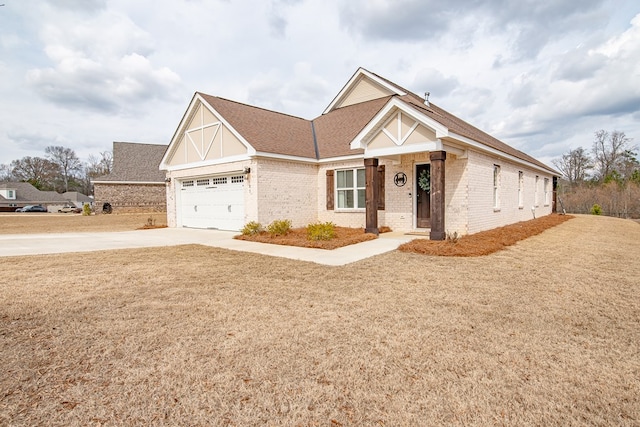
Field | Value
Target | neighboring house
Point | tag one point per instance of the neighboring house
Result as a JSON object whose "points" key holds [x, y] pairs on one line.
{"points": [[14, 195], [77, 199], [135, 183], [379, 155]]}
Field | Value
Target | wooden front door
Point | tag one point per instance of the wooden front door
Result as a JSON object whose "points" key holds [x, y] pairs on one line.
{"points": [[423, 196]]}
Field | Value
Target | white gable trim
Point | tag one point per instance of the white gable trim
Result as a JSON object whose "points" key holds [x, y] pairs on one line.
{"points": [[354, 79], [207, 163], [197, 98], [363, 138]]}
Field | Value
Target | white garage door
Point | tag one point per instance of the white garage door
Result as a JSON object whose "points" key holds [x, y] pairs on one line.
{"points": [[213, 202]]}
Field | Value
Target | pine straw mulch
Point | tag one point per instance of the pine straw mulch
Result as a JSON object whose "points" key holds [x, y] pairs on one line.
{"points": [[298, 237], [485, 242]]}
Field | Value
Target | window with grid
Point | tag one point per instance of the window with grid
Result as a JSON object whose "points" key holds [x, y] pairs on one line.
{"points": [[202, 182], [496, 187], [187, 183], [236, 179], [546, 192], [520, 189], [219, 181], [350, 189]]}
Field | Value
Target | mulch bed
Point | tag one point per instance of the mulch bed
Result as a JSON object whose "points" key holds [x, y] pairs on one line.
{"points": [[485, 242], [298, 237]]}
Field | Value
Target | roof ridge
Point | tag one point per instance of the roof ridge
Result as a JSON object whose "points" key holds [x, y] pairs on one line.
{"points": [[253, 106]]}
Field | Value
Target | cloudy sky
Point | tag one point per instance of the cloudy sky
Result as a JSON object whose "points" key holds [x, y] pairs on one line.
{"points": [[541, 75]]}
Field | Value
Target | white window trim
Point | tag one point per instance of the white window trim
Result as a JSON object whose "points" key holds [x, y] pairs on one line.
{"points": [[496, 187], [546, 192], [355, 189], [520, 190], [536, 199]]}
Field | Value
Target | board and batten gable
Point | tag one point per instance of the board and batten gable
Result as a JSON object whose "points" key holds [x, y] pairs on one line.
{"points": [[206, 138]]}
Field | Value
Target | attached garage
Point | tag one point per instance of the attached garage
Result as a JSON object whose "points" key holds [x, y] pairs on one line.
{"points": [[215, 202]]}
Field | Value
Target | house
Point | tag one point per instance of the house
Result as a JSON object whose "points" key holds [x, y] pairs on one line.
{"points": [[135, 183], [379, 155], [14, 195], [77, 199]]}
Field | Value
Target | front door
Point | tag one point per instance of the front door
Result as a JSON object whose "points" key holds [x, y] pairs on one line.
{"points": [[423, 196]]}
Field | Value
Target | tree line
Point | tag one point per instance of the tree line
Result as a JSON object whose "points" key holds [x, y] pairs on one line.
{"points": [[59, 170], [602, 180]]}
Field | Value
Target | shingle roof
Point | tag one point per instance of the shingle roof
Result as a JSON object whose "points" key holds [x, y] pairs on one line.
{"points": [[136, 162], [272, 132], [336, 129], [267, 131], [27, 193]]}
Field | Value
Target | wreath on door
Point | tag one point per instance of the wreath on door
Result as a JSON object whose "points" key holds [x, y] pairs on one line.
{"points": [[424, 180]]}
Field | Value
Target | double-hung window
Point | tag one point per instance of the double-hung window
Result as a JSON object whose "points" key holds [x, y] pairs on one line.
{"points": [[520, 189], [546, 192], [496, 186], [350, 189]]}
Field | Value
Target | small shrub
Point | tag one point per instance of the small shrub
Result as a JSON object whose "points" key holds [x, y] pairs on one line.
{"points": [[279, 227], [384, 229], [453, 237], [151, 222], [86, 209], [321, 231], [596, 209], [252, 228]]}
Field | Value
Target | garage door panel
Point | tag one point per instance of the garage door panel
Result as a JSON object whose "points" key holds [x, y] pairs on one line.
{"points": [[216, 202]]}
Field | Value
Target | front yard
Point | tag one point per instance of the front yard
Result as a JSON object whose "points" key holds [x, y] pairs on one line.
{"points": [[545, 332]]}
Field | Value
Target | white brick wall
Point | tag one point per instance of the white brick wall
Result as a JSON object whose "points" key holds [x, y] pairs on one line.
{"points": [[482, 215], [278, 189], [286, 190]]}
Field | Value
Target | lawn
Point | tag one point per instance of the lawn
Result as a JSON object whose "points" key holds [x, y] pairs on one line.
{"points": [[545, 332]]}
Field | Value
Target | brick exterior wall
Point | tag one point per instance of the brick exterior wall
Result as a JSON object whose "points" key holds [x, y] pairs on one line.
{"points": [[482, 214], [130, 198], [279, 189], [286, 190]]}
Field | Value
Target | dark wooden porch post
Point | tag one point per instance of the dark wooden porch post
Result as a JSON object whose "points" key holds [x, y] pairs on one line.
{"points": [[554, 208], [371, 195], [437, 195]]}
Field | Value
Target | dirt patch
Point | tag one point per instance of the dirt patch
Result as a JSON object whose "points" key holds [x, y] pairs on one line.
{"points": [[485, 242], [544, 332]]}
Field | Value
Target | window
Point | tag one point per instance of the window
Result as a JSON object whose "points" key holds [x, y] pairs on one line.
{"points": [[546, 191], [219, 181], [496, 187], [187, 183], [350, 185], [236, 179], [535, 192], [520, 189], [202, 182], [11, 194]]}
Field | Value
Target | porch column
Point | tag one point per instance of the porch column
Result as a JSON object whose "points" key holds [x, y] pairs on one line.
{"points": [[371, 195], [437, 195]]}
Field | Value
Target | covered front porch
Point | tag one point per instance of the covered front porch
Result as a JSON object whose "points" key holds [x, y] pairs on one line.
{"points": [[428, 194]]}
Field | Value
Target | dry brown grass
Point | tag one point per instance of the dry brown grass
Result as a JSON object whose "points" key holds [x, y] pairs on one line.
{"points": [[545, 332], [21, 223], [485, 242], [298, 237]]}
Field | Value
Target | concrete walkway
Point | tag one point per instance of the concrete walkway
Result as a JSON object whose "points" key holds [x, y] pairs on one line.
{"points": [[39, 244]]}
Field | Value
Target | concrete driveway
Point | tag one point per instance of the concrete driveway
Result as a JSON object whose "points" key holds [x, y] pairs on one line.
{"points": [[39, 244]]}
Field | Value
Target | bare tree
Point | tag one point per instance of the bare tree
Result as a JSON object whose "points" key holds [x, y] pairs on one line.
{"points": [[66, 160], [609, 152], [99, 166], [6, 173], [37, 171], [574, 165]]}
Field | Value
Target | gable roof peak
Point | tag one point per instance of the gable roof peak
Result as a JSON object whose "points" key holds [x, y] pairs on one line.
{"points": [[358, 76]]}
